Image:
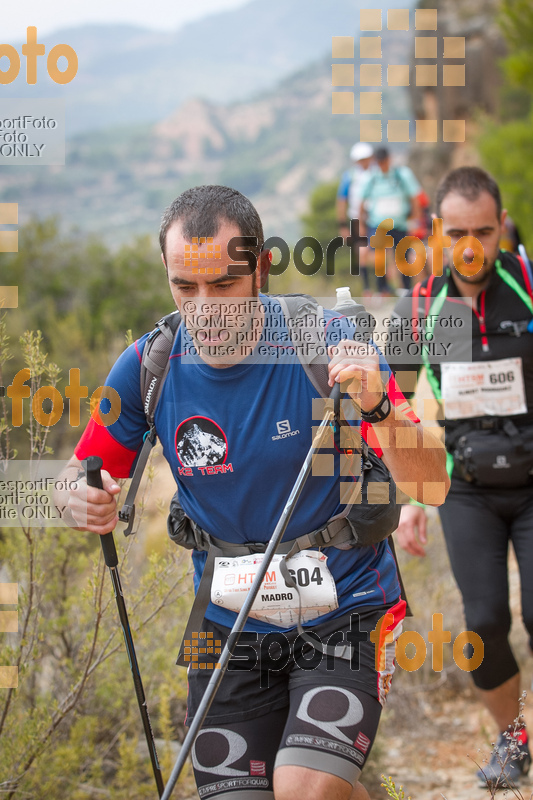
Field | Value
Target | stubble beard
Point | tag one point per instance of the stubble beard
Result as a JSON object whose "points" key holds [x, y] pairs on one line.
{"points": [[480, 277]]}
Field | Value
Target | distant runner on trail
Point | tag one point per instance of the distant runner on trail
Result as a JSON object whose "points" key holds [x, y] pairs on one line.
{"points": [[349, 201], [487, 409], [390, 193]]}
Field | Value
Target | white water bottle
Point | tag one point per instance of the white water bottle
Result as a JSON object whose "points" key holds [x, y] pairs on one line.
{"points": [[345, 304], [356, 312]]}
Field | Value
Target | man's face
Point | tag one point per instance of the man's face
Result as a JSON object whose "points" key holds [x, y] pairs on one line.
{"points": [[204, 293], [477, 218]]}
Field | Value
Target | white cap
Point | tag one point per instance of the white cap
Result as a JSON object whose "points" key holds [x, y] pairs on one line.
{"points": [[361, 150]]}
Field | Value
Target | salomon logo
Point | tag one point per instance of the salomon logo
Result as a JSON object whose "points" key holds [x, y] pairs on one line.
{"points": [[149, 395], [284, 430], [501, 463]]}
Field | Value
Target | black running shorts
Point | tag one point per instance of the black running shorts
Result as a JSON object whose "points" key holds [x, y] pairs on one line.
{"points": [[284, 703]]}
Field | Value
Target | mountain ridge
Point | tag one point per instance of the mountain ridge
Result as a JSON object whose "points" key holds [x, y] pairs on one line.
{"points": [[132, 75], [274, 148]]}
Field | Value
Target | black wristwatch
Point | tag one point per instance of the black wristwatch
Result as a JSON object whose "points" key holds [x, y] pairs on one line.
{"points": [[379, 412]]}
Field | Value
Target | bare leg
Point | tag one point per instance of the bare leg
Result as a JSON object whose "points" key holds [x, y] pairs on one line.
{"points": [[359, 792], [290, 781], [502, 702]]}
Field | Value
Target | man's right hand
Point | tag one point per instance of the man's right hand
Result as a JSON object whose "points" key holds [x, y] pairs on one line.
{"points": [[411, 533], [94, 509]]}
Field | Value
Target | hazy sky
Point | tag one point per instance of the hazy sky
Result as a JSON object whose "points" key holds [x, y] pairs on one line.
{"points": [[49, 15]]}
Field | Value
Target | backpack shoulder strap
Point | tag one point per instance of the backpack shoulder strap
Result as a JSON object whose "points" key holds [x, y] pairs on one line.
{"points": [[414, 310], [303, 309], [526, 276], [155, 363], [510, 280]]}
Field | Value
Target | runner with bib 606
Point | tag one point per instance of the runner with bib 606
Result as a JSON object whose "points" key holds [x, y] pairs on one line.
{"points": [[486, 403]]}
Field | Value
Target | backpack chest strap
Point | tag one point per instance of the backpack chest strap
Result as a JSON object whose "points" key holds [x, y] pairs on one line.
{"points": [[335, 533]]}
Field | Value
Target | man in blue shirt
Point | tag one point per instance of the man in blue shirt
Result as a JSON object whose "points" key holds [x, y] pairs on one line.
{"points": [[235, 433]]}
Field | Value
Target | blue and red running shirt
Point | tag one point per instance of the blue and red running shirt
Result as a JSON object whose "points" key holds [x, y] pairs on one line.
{"points": [[235, 439]]}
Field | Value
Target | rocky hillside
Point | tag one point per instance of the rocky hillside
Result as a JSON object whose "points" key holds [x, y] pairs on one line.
{"points": [[484, 47]]}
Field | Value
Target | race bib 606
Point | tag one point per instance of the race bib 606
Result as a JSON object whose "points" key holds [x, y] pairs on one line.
{"points": [[483, 388]]}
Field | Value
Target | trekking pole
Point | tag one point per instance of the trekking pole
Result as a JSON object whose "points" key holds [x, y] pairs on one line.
{"points": [[233, 638], [93, 465]]}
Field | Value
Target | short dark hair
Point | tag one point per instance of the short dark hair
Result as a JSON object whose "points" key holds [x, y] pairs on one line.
{"points": [[202, 209], [381, 154], [469, 182]]}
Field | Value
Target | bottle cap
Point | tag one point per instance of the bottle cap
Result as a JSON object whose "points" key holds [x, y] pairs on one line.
{"points": [[343, 293]]}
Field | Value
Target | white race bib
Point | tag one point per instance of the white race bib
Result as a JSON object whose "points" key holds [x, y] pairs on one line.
{"points": [[493, 388], [276, 603], [385, 207]]}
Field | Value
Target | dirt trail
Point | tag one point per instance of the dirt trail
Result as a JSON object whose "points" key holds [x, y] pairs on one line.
{"points": [[435, 759]]}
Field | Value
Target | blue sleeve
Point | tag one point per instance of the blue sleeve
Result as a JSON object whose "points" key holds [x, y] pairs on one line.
{"points": [[118, 443], [124, 377], [344, 186]]}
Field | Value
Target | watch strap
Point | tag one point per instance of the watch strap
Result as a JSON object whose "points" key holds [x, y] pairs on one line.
{"points": [[379, 412]]}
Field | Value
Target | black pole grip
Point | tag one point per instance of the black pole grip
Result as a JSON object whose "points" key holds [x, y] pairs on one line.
{"points": [[93, 465], [335, 393]]}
